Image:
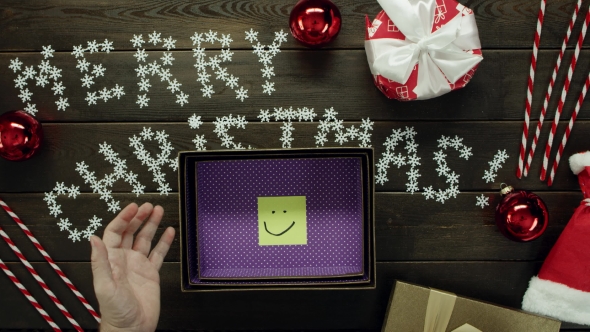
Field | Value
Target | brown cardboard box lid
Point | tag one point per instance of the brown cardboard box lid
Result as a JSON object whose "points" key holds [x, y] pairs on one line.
{"points": [[407, 310]]}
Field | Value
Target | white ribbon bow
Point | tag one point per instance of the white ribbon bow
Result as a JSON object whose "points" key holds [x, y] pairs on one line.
{"points": [[439, 55]]}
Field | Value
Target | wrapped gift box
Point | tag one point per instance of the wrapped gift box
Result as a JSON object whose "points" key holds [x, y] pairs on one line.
{"points": [[422, 49], [277, 219], [412, 307]]}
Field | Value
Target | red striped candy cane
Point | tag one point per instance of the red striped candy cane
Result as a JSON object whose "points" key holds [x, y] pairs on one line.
{"points": [[568, 130], [550, 88], [529, 95], [29, 297], [42, 283], [49, 260], [563, 96]]}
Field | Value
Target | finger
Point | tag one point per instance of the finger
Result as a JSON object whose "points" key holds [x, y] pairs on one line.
{"points": [[113, 232], [99, 259], [157, 255], [142, 213], [143, 240]]}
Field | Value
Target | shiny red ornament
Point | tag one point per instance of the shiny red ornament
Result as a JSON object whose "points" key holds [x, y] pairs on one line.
{"points": [[20, 135], [521, 215], [315, 22]]}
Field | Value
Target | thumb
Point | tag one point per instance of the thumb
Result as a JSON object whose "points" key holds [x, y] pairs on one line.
{"points": [[101, 268]]}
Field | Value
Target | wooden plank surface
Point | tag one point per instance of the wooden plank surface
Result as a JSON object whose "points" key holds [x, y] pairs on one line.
{"points": [[278, 310], [502, 23], [67, 144], [317, 80], [407, 228]]}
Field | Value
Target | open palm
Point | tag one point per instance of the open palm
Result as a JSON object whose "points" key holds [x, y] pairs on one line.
{"points": [[126, 278]]}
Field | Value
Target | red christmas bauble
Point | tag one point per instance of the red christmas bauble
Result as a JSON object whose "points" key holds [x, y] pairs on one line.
{"points": [[20, 135], [315, 22], [521, 215]]}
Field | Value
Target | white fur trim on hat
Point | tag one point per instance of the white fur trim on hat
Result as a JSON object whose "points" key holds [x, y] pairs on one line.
{"points": [[557, 300], [579, 161]]}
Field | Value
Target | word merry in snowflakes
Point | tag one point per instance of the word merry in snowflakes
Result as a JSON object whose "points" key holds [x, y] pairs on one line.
{"points": [[45, 72]]}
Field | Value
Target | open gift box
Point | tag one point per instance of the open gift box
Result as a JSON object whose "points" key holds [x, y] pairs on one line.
{"points": [[417, 308], [277, 219]]}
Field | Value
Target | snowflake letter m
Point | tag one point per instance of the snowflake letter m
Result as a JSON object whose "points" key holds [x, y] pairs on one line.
{"points": [[42, 78]]}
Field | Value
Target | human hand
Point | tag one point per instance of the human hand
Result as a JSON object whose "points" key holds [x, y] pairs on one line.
{"points": [[126, 279]]}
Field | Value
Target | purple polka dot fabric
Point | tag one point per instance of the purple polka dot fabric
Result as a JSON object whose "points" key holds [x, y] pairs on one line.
{"points": [[227, 217]]}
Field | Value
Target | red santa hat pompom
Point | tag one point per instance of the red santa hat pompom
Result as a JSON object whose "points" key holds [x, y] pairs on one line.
{"points": [[562, 288]]}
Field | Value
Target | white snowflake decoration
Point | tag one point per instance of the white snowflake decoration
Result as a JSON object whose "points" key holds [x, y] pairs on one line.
{"points": [[343, 135], [482, 201], [452, 178], [496, 163], [142, 100], [154, 38], [31, 108], [266, 54], [268, 87], [222, 126], [42, 79], [62, 104], [287, 115], [242, 94], [390, 158], [137, 41], [156, 68], [47, 52], [194, 122], [15, 65], [93, 71], [64, 224], [221, 74], [103, 186], [155, 164]]}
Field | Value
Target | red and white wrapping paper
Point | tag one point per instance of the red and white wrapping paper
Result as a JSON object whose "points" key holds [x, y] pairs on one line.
{"points": [[420, 49]]}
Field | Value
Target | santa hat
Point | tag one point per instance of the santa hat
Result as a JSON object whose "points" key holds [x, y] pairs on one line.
{"points": [[562, 288]]}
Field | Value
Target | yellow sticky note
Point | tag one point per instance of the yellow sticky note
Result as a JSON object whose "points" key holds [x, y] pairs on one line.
{"points": [[282, 220]]}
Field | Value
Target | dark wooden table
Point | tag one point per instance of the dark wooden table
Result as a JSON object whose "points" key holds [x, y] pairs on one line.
{"points": [[455, 246]]}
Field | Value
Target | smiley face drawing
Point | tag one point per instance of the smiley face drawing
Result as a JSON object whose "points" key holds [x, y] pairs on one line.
{"points": [[282, 220]]}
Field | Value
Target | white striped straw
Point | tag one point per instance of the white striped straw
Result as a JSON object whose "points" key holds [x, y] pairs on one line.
{"points": [[550, 88], [529, 96], [563, 96]]}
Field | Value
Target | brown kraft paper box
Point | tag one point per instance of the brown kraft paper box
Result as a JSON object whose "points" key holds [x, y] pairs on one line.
{"points": [[406, 312]]}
